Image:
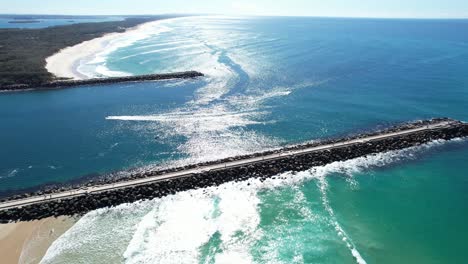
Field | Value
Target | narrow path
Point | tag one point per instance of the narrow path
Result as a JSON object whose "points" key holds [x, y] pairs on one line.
{"points": [[221, 166]]}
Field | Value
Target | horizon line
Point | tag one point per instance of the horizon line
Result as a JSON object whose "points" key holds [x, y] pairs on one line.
{"points": [[241, 15]]}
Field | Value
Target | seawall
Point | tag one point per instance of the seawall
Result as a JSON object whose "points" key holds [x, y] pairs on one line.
{"points": [[259, 165], [100, 81]]}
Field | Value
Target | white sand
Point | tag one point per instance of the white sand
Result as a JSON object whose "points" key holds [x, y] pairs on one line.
{"points": [[27, 242], [65, 63]]}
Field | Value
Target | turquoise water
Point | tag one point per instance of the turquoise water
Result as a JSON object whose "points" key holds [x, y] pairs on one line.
{"points": [[48, 21], [269, 82]]}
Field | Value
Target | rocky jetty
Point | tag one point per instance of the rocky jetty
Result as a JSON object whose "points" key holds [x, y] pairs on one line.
{"points": [[101, 81], [261, 169]]}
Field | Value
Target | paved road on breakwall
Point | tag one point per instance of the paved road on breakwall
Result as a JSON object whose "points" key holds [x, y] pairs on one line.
{"points": [[221, 166]]}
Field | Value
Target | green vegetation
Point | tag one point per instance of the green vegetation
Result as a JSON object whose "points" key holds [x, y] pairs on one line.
{"points": [[23, 51]]}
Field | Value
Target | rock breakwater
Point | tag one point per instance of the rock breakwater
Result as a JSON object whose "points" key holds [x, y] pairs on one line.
{"points": [[100, 81], [399, 137]]}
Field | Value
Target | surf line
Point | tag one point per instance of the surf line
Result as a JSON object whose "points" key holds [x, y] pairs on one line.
{"points": [[322, 185]]}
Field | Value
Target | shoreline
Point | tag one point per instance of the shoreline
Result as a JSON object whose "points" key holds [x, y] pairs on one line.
{"points": [[28, 242], [66, 62]]}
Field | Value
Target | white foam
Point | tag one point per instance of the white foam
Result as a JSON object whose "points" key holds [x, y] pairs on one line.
{"points": [[188, 46], [102, 70], [10, 173], [189, 123], [339, 229], [13, 172], [165, 43], [173, 231], [179, 225], [238, 214], [96, 238], [233, 257]]}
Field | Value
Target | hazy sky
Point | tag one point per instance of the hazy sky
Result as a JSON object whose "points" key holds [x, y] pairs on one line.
{"points": [[347, 8]]}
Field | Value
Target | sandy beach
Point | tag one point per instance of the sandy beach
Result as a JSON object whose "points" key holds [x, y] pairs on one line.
{"points": [[27, 242], [66, 62]]}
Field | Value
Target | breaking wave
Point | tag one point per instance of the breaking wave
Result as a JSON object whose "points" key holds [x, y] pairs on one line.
{"points": [[96, 64]]}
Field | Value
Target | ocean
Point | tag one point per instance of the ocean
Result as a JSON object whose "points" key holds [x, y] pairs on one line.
{"points": [[269, 82]]}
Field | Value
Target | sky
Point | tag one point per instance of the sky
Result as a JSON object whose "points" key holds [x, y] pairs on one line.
{"points": [[334, 8]]}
